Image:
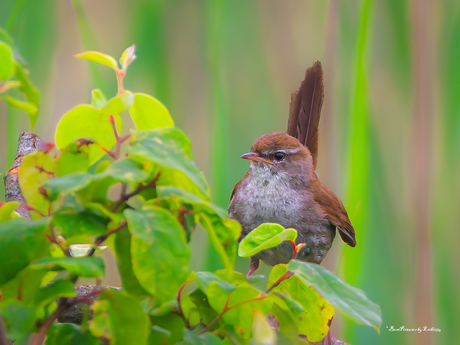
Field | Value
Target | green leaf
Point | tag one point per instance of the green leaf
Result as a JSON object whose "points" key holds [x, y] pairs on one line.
{"points": [[168, 147], [96, 192], [7, 209], [167, 329], [5, 37], [267, 235], [128, 57], [194, 338], [287, 327], [82, 266], [159, 252], [100, 210], [69, 334], [149, 113], [242, 300], [125, 170], [175, 178], [122, 252], [233, 277], [80, 223], [6, 61], [98, 100], [119, 103], [67, 184], [29, 107], [310, 312], [73, 158], [348, 300], [29, 90], [36, 168], [262, 332], [99, 58], [20, 320], [84, 121], [119, 318], [199, 205], [8, 85], [51, 292], [200, 300], [27, 87], [21, 241], [206, 278], [223, 235], [241, 314], [27, 281]]}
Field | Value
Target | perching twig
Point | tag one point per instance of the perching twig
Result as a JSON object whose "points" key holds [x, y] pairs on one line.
{"points": [[103, 237], [28, 143], [125, 197]]}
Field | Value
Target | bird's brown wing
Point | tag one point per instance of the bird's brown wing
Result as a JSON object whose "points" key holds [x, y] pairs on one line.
{"points": [[335, 213], [305, 110], [238, 185]]}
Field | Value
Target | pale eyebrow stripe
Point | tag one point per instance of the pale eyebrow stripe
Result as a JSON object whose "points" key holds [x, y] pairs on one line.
{"points": [[293, 150]]}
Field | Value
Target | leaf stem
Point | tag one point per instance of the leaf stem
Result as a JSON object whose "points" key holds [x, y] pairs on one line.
{"points": [[227, 308], [68, 302], [119, 140], [294, 249], [3, 339], [179, 307], [64, 249], [125, 197], [40, 335], [103, 237], [114, 127], [120, 75], [285, 276], [33, 209]]}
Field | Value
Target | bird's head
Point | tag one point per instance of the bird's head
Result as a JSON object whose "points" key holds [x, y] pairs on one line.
{"points": [[281, 154]]}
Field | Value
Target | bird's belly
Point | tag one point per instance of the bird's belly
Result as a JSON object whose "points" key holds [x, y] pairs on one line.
{"points": [[265, 204], [285, 206]]}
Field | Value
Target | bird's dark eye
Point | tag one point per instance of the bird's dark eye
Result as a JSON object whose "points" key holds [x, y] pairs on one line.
{"points": [[279, 156]]}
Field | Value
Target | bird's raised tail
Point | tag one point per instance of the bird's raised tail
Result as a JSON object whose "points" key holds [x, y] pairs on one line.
{"points": [[305, 110]]}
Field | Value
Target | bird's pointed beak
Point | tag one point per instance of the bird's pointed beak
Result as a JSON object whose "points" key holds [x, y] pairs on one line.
{"points": [[252, 156]]}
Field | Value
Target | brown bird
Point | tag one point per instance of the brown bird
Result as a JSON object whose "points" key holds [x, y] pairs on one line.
{"points": [[282, 187]]}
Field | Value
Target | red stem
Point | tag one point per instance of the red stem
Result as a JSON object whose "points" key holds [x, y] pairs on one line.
{"points": [[179, 307], [285, 276], [294, 249], [227, 308], [120, 75], [40, 335]]}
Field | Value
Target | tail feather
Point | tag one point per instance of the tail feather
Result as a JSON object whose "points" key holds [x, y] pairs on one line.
{"points": [[305, 110]]}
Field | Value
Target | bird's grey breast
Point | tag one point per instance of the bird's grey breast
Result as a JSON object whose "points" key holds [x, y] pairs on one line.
{"points": [[267, 196]]}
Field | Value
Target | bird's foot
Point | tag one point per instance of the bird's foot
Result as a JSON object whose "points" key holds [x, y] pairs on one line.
{"points": [[253, 266]]}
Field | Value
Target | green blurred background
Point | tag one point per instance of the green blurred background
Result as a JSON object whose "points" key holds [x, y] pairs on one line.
{"points": [[390, 129]]}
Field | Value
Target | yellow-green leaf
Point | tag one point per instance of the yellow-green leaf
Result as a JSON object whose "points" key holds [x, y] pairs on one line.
{"points": [[7, 209], [119, 104], [101, 58], [98, 100], [27, 106], [128, 57], [147, 113], [267, 235], [119, 318], [36, 168], [6, 61], [85, 121], [348, 300], [308, 309]]}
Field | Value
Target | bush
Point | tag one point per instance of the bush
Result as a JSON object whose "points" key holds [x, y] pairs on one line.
{"points": [[142, 195]]}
